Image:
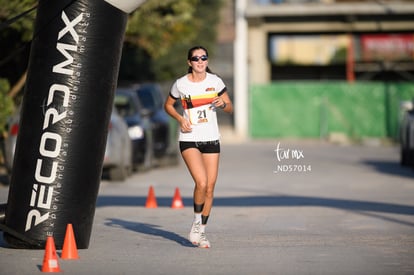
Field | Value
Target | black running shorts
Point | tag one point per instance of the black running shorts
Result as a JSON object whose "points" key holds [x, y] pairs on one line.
{"points": [[202, 146]]}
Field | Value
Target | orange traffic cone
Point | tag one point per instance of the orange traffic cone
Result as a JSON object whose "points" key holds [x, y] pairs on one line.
{"points": [[70, 250], [50, 259], [177, 201], [151, 200]]}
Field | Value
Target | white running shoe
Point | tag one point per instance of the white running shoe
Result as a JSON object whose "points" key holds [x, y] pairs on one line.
{"points": [[194, 236], [204, 243]]}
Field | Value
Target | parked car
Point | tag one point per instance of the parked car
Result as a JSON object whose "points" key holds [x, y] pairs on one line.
{"points": [[4, 177], [407, 136], [152, 98], [117, 162], [118, 157], [12, 127], [139, 127]]}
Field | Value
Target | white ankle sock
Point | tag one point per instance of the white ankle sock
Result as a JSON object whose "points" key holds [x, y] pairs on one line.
{"points": [[197, 217]]}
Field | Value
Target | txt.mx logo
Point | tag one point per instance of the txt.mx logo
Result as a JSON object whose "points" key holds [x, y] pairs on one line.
{"points": [[282, 153]]}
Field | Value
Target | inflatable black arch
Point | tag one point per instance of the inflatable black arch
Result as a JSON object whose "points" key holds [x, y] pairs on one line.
{"points": [[67, 103]]}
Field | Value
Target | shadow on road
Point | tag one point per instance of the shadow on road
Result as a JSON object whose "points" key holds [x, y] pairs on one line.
{"points": [[391, 168], [275, 201], [149, 229], [264, 201]]}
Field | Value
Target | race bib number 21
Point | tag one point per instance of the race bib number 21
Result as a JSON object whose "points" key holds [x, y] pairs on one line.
{"points": [[202, 114]]}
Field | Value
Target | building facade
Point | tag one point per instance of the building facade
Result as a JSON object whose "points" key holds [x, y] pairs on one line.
{"points": [[325, 40]]}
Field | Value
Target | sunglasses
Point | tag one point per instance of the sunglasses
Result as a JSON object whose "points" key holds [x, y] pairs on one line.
{"points": [[196, 58]]}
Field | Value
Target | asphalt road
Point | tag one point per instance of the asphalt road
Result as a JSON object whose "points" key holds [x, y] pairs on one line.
{"points": [[293, 208]]}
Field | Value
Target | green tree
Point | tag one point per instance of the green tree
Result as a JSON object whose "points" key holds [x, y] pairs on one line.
{"points": [[157, 24], [24, 25], [159, 34], [15, 36], [6, 104]]}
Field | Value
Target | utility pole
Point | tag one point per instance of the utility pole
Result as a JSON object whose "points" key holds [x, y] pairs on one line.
{"points": [[241, 83]]}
